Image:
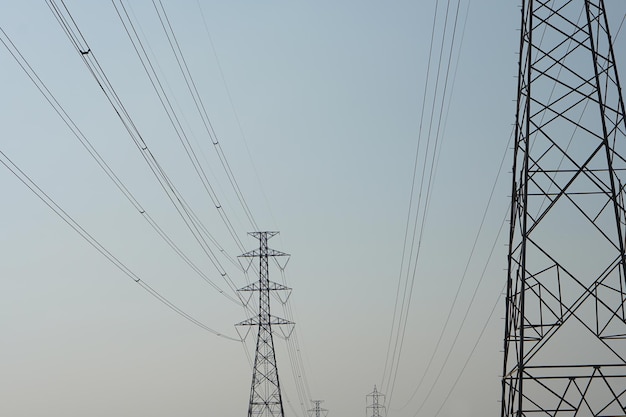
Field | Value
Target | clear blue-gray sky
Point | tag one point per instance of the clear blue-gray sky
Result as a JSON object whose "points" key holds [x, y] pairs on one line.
{"points": [[317, 107]]}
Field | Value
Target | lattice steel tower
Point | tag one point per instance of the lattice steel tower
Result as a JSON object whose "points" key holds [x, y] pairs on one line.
{"points": [[317, 410], [565, 331], [375, 404], [265, 396]]}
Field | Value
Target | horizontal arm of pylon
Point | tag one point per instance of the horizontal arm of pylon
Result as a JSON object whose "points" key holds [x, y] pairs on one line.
{"points": [[256, 253], [259, 234], [272, 286], [254, 321]]}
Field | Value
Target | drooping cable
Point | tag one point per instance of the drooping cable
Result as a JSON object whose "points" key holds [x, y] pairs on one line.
{"points": [[76, 131], [157, 85], [199, 104], [198, 221], [73, 33], [455, 340], [293, 346], [465, 316], [52, 205], [424, 192], [235, 113], [620, 26], [432, 170], [295, 355], [390, 359], [297, 376], [471, 354], [191, 86], [463, 276]]}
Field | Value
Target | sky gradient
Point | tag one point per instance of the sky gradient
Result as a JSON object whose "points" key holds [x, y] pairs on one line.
{"points": [[317, 108]]}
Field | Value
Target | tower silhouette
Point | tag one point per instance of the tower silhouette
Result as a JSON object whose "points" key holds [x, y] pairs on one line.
{"points": [[375, 404], [265, 395], [317, 411], [565, 324]]}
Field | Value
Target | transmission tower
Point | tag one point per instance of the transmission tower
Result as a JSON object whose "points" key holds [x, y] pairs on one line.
{"points": [[317, 411], [565, 329], [375, 404], [265, 396]]}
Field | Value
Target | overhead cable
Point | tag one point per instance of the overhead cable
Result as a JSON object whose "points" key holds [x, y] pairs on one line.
{"points": [[77, 132], [199, 104], [235, 113], [157, 85], [471, 354], [74, 34], [464, 274], [48, 201], [417, 217], [465, 315], [447, 322]]}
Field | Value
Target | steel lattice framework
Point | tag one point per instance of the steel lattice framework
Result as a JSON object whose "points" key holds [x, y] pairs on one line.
{"points": [[317, 410], [375, 404], [265, 395], [565, 330]]}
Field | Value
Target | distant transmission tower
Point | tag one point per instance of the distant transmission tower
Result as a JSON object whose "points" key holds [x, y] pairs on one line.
{"points": [[265, 396], [375, 404], [565, 329], [317, 411]]}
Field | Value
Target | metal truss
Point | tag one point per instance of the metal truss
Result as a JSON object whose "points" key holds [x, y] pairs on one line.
{"points": [[265, 395], [565, 324], [375, 404], [317, 410]]}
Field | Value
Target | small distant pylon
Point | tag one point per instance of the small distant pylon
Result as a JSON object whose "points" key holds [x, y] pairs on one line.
{"points": [[265, 395], [317, 411], [375, 404]]}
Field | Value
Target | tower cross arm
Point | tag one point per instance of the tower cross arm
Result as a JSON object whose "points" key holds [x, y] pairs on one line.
{"points": [[272, 286], [274, 320], [256, 253]]}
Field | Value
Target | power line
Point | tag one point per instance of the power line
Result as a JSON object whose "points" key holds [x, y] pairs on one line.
{"points": [[48, 201], [423, 197], [471, 354], [193, 90], [294, 352], [77, 132], [235, 113], [157, 85], [436, 349], [70, 28], [463, 276], [465, 315], [294, 349], [391, 360]]}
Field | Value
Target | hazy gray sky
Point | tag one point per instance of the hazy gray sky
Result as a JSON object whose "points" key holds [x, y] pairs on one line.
{"points": [[328, 95]]}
